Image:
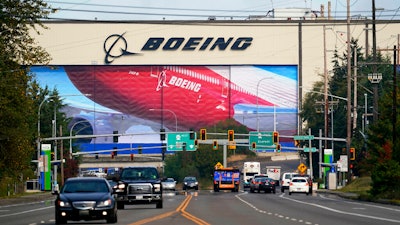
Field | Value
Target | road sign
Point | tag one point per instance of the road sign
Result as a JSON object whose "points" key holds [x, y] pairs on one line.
{"points": [[176, 141], [302, 168], [218, 166], [263, 140], [303, 137], [313, 149]]}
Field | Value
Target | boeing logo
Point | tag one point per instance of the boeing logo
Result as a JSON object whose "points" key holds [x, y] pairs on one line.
{"points": [[116, 46]]}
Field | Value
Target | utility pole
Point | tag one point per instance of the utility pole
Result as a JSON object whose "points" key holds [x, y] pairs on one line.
{"points": [[374, 67], [325, 93], [348, 79]]}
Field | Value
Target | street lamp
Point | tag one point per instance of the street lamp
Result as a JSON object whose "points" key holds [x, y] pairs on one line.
{"points": [[176, 118], [258, 119], [70, 135], [38, 136]]}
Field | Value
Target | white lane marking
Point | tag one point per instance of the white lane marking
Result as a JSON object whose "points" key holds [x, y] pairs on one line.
{"points": [[28, 211], [363, 204], [270, 213], [341, 212]]}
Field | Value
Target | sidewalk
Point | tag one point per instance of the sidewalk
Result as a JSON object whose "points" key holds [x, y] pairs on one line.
{"points": [[348, 195], [28, 198]]}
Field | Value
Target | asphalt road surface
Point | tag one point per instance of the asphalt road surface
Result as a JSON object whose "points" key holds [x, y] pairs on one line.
{"points": [[205, 207]]}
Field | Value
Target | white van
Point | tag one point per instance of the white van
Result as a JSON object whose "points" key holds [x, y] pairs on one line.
{"points": [[285, 180]]}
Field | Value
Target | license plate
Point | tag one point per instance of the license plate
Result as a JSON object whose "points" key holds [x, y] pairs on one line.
{"points": [[84, 212], [139, 197]]}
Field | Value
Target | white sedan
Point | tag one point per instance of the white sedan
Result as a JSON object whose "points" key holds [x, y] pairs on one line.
{"points": [[299, 184]]}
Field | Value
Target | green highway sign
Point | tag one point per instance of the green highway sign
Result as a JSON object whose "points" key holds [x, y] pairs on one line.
{"points": [[176, 141], [303, 137], [313, 149], [263, 140]]}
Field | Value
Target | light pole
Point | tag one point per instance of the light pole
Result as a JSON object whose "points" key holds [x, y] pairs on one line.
{"points": [[70, 135], [258, 119], [38, 147], [176, 118]]}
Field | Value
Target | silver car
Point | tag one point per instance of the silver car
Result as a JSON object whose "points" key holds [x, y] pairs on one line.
{"points": [[169, 184]]}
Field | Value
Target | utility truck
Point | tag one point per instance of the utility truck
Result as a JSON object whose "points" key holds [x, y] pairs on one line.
{"points": [[274, 172], [249, 170], [226, 179]]}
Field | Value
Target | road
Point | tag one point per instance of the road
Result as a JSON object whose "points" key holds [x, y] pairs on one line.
{"points": [[205, 207]]}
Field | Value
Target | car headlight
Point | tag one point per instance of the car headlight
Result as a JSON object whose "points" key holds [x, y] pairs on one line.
{"points": [[105, 203], [157, 187], [121, 186], [64, 204], [196, 183]]}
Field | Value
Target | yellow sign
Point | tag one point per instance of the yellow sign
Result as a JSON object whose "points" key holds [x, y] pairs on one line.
{"points": [[218, 166], [232, 145], [302, 168]]}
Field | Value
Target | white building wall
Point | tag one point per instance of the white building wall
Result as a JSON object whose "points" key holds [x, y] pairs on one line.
{"points": [[272, 44]]}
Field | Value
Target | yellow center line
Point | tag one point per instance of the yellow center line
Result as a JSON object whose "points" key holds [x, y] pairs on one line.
{"points": [[181, 208]]}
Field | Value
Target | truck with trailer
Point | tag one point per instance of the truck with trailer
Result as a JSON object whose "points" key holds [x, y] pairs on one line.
{"points": [[226, 179], [249, 170], [274, 172]]}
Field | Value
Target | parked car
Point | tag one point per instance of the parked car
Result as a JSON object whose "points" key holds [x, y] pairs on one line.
{"points": [[85, 198], [299, 184], [190, 183], [267, 185], [285, 180], [169, 184]]}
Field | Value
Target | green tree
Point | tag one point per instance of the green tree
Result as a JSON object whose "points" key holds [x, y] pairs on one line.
{"points": [[18, 98]]}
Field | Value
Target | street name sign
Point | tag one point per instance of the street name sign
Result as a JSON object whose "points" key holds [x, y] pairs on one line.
{"points": [[303, 137]]}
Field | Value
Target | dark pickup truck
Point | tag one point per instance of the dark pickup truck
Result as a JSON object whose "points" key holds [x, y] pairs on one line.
{"points": [[138, 185]]}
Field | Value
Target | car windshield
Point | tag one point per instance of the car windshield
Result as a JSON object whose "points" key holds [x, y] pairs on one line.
{"points": [[139, 174], [190, 179], [85, 186]]}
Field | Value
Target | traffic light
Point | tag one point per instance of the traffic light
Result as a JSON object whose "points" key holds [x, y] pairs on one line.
{"points": [[215, 145], [352, 154], [162, 134], [231, 135], [203, 134], [191, 134], [253, 145], [278, 148], [115, 137], [184, 146], [163, 151], [140, 150], [196, 143], [275, 137]]}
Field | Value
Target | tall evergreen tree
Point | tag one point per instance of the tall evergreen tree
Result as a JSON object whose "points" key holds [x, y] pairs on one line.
{"points": [[18, 100]]}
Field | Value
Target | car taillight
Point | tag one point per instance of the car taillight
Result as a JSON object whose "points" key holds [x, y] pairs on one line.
{"points": [[291, 184]]}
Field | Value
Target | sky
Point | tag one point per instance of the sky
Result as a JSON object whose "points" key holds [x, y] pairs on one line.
{"points": [[205, 9]]}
